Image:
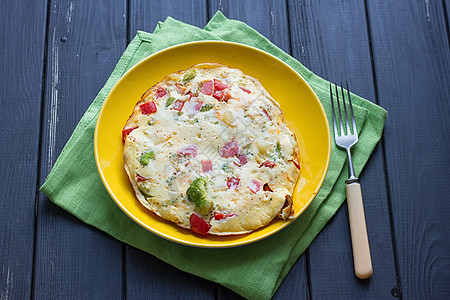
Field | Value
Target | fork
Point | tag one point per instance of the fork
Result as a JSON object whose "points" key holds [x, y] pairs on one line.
{"points": [[345, 138]]}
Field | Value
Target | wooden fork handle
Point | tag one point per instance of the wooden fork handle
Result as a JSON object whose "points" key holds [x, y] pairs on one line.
{"points": [[360, 242]]}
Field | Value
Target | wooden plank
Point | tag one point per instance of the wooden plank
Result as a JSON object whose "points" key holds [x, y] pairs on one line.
{"points": [[144, 15], [21, 63], [340, 51], [412, 67], [269, 19], [86, 39], [147, 276]]}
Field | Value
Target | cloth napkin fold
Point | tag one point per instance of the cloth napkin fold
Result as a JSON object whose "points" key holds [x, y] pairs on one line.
{"points": [[254, 271]]}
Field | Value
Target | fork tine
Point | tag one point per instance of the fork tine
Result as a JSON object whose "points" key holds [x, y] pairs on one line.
{"points": [[351, 109], [339, 110], [332, 109], [345, 110]]}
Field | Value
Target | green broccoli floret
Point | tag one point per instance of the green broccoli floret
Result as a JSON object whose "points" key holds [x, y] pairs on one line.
{"points": [[145, 158], [198, 194], [189, 75]]}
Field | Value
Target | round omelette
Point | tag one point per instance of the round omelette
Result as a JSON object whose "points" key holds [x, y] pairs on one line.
{"points": [[208, 149]]}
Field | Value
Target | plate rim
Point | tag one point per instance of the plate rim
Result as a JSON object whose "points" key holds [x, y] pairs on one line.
{"points": [[227, 244]]}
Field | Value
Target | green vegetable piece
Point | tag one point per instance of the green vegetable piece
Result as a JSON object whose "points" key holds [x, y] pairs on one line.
{"points": [[189, 75], [278, 149], [145, 158], [226, 168], [170, 101], [145, 190], [198, 194], [206, 107]]}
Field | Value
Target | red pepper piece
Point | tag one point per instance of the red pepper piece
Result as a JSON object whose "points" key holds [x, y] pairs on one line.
{"points": [[206, 165], [160, 92], [296, 163], [255, 185], [219, 85], [230, 149], [267, 114], [221, 216], [245, 90], [126, 132], [222, 95], [140, 178], [198, 225], [208, 88], [233, 183], [188, 150], [268, 164], [148, 108], [178, 105]]}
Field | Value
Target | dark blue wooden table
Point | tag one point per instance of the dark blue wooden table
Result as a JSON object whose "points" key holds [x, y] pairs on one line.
{"points": [[57, 54]]}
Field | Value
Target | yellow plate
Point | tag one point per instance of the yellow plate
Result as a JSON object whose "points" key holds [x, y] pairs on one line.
{"points": [[299, 103]]}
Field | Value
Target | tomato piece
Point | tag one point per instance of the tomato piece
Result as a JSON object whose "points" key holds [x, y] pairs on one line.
{"points": [[198, 225], [221, 216], [245, 90], [268, 164], [233, 183], [219, 85], [222, 96], [178, 105], [208, 88], [148, 108], [188, 150], [230, 149], [126, 132], [160, 92], [206, 165], [255, 185]]}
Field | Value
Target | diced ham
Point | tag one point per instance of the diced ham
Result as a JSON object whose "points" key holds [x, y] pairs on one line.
{"points": [[233, 183], [268, 164], [198, 225], [246, 90], [254, 185], [192, 108], [160, 92], [126, 132], [230, 149], [188, 150], [178, 105], [208, 88], [206, 165], [219, 85], [221, 216], [148, 108], [242, 159]]}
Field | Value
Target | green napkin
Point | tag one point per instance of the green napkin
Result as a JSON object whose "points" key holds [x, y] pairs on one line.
{"points": [[254, 271]]}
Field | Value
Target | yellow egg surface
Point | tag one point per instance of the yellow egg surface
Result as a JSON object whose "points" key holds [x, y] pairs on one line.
{"points": [[208, 149]]}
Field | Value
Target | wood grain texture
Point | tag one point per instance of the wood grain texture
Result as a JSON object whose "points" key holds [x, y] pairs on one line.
{"points": [[147, 276], [144, 15], [412, 65], [339, 51], [86, 39], [21, 65], [268, 17]]}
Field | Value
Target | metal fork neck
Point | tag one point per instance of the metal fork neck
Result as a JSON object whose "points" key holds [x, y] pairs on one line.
{"points": [[351, 172]]}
